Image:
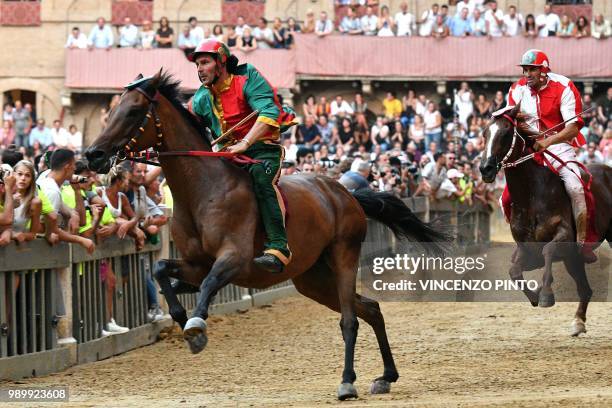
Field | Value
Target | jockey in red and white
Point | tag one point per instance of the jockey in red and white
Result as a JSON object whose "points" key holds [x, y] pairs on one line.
{"points": [[547, 99]]}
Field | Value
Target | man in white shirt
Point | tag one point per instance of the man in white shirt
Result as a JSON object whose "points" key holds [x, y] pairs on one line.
{"points": [[101, 35], [76, 39], [196, 33], [369, 22], [469, 4], [494, 20], [548, 23], [404, 21], [513, 23], [60, 135], [263, 34], [340, 107], [128, 34], [240, 26], [323, 26], [428, 18]]}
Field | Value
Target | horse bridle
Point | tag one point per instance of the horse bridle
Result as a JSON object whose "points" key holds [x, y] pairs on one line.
{"points": [[516, 135]]}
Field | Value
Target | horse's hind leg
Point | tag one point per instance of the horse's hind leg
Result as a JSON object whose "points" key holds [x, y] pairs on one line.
{"points": [[575, 267], [369, 310]]}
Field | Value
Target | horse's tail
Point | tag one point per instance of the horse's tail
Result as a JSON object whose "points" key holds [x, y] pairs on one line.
{"points": [[391, 211]]}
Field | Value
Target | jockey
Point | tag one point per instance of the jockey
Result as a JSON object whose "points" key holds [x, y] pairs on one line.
{"points": [[547, 99], [229, 93]]}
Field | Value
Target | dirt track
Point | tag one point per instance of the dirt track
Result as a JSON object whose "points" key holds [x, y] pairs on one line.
{"points": [[505, 354]]}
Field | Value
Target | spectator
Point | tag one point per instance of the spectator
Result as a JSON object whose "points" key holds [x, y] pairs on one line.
{"points": [[323, 107], [478, 26], [460, 25], [22, 123], [548, 23], [587, 103], [398, 135], [380, 134], [604, 108], [434, 173], [362, 133], [196, 33], [324, 26], [101, 35], [355, 180], [26, 216], [308, 134], [494, 20], [231, 38], [241, 26], [41, 134], [428, 18], [392, 105], [185, 42], [325, 129], [247, 42], [470, 4], [444, 14], [600, 28], [591, 155], [75, 139], [76, 39], [7, 135], [369, 21], [582, 28], [150, 216], [483, 106], [346, 136], [513, 22], [405, 21], [359, 105], [309, 23], [440, 29], [531, 30], [416, 133], [278, 33], [566, 27], [350, 23], [217, 32], [128, 34], [165, 34], [409, 104], [28, 107], [462, 189], [289, 32], [7, 114], [339, 107], [263, 34], [433, 124], [147, 36], [309, 108], [386, 25], [59, 134], [464, 103]]}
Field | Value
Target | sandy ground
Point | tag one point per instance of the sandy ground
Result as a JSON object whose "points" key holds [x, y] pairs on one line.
{"points": [[291, 353]]}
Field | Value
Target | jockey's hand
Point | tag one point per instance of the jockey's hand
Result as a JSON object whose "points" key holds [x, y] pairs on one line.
{"points": [[541, 145], [239, 147]]}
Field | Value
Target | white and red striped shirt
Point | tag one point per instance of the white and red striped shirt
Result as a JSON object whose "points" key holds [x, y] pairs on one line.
{"points": [[552, 104]]}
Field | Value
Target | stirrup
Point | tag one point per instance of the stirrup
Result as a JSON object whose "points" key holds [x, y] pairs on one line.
{"points": [[269, 263]]}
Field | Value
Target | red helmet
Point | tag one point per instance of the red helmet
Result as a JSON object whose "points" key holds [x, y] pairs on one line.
{"points": [[535, 58], [211, 46]]}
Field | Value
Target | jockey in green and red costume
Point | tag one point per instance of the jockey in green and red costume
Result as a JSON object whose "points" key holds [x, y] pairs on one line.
{"points": [[229, 93]]}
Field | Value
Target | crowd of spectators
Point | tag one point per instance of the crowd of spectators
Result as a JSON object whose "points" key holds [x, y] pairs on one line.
{"points": [[48, 191], [475, 18], [416, 146]]}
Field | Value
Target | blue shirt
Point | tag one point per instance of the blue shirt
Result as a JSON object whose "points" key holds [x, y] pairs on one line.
{"points": [[101, 37], [458, 26], [353, 181], [44, 136]]}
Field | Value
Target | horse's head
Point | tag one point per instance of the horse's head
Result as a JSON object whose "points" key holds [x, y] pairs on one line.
{"points": [[131, 124], [499, 136]]}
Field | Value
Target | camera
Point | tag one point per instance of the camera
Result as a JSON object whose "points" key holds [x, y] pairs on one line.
{"points": [[78, 179], [4, 171]]}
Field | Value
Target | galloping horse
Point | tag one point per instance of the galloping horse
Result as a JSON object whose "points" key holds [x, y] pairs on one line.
{"points": [[217, 229], [541, 219]]}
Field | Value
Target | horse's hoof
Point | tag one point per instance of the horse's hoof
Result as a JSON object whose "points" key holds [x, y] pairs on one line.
{"points": [[546, 299], [380, 387], [194, 334], [346, 390], [578, 327]]}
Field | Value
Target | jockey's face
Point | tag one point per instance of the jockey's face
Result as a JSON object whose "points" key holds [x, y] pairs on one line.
{"points": [[207, 69], [535, 77]]}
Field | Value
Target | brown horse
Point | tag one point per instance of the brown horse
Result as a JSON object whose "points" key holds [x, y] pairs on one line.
{"points": [[217, 229], [541, 220]]}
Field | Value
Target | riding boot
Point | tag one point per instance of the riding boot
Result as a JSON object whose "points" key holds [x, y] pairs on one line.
{"points": [[586, 247], [269, 263]]}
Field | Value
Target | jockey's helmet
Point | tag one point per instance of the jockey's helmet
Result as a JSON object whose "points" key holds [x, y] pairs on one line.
{"points": [[211, 46], [535, 58]]}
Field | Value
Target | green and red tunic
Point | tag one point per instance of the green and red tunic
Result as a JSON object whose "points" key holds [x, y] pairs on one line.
{"points": [[225, 104]]}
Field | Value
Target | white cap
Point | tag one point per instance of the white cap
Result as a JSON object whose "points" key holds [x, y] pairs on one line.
{"points": [[454, 173]]}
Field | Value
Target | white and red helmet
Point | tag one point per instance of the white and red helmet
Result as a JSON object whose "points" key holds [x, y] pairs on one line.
{"points": [[535, 58]]}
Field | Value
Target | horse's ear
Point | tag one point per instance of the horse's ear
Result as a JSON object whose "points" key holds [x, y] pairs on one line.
{"points": [[155, 80], [138, 77]]}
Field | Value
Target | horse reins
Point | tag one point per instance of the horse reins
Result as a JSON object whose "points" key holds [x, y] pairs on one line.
{"points": [[128, 154]]}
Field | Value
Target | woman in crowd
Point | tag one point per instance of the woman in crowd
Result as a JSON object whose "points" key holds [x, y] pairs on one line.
{"points": [[147, 35], [433, 124], [582, 29], [530, 27], [278, 33], [362, 132], [290, 30], [247, 42], [7, 205], [398, 133], [498, 102], [385, 23], [231, 37], [482, 106], [310, 107], [346, 134], [409, 104], [416, 133], [26, 218], [7, 135], [165, 34], [566, 29], [359, 105], [217, 32]]}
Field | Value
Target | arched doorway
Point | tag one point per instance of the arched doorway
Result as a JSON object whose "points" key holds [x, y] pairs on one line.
{"points": [[22, 95]]}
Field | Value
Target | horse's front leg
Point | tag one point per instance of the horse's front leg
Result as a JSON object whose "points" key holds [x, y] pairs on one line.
{"points": [[225, 268], [547, 296], [516, 274]]}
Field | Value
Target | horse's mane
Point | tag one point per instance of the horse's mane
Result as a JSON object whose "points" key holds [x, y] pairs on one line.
{"points": [[171, 89]]}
